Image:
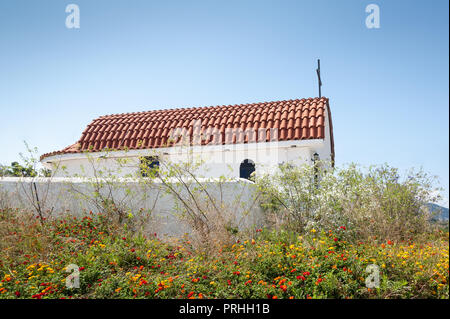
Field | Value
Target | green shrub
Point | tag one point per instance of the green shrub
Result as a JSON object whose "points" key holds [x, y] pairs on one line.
{"points": [[373, 202]]}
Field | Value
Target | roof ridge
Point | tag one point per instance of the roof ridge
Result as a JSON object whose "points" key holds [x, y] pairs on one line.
{"points": [[207, 107]]}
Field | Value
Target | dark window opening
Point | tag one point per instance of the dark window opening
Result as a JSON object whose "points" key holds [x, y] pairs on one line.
{"points": [[149, 165], [246, 169]]}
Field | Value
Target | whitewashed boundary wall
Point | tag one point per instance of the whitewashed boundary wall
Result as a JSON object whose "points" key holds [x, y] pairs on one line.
{"points": [[67, 196]]}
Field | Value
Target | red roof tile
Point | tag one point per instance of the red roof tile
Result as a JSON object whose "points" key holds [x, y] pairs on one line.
{"points": [[295, 119]]}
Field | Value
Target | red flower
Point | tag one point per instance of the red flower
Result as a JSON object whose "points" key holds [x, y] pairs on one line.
{"points": [[229, 282], [17, 294], [335, 239], [124, 238], [190, 294], [301, 277], [81, 268]]}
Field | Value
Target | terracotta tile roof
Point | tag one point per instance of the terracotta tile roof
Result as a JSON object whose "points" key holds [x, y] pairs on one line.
{"points": [[299, 119]]}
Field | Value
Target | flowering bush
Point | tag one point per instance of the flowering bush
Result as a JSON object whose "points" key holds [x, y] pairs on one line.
{"points": [[376, 201], [272, 264]]}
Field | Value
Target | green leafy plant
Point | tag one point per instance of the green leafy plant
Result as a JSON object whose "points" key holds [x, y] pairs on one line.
{"points": [[372, 202]]}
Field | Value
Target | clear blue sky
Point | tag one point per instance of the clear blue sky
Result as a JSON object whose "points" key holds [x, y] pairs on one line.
{"points": [[388, 87]]}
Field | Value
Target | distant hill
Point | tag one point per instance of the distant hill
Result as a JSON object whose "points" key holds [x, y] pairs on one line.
{"points": [[441, 213]]}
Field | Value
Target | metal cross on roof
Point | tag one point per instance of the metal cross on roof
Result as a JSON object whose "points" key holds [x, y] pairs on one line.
{"points": [[318, 76]]}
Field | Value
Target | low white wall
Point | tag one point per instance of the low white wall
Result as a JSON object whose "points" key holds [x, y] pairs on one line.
{"points": [[67, 196]]}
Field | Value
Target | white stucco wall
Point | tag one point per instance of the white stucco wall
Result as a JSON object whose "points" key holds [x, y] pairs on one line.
{"points": [[217, 160], [62, 196]]}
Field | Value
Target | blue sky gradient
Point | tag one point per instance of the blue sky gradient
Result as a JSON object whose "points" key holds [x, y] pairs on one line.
{"points": [[388, 87]]}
